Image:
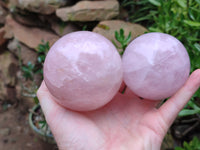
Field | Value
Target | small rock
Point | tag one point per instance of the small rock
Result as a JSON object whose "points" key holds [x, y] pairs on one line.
{"points": [[30, 36], [24, 53], [13, 45], [5, 131], [2, 39], [19, 129], [8, 69], [8, 77], [89, 11], [3, 14], [11, 95], [108, 28], [5, 141], [29, 144], [64, 28], [13, 140], [39, 6]]}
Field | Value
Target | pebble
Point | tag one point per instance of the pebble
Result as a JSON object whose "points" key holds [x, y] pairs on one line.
{"points": [[5, 131]]}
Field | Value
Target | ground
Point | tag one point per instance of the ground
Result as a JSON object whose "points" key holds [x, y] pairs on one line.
{"points": [[15, 132]]}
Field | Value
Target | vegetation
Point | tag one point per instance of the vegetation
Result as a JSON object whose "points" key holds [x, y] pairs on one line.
{"points": [[29, 72], [192, 145], [123, 41], [179, 18]]}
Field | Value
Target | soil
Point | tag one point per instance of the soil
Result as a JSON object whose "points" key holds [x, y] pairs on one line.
{"points": [[15, 132]]}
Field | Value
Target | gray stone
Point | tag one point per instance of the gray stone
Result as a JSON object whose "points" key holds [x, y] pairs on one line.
{"points": [[24, 53], [65, 28], [8, 77], [89, 11], [39, 6], [2, 39], [29, 36], [5, 131], [108, 28], [8, 68], [3, 14]]}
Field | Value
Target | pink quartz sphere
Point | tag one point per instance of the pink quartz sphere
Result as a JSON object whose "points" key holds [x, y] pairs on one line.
{"points": [[155, 66], [83, 71]]}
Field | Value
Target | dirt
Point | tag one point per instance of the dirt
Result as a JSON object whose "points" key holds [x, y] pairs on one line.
{"points": [[15, 132]]}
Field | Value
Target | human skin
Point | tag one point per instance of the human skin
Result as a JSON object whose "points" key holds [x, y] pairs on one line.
{"points": [[126, 123]]}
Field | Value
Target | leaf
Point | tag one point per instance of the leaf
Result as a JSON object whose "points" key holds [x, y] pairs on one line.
{"points": [[193, 105], [128, 39], [152, 29], [192, 23], [178, 148], [198, 1], [194, 144], [115, 44], [102, 26], [186, 146], [187, 112], [36, 100], [197, 46], [43, 47], [39, 59], [117, 36], [122, 34], [155, 2], [190, 13], [182, 3], [44, 123], [121, 31]]}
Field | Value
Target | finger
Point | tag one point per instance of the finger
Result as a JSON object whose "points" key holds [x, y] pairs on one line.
{"points": [[46, 101], [170, 109]]}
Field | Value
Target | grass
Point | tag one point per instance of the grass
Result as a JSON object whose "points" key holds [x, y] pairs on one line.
{"points": [[179, 18]]}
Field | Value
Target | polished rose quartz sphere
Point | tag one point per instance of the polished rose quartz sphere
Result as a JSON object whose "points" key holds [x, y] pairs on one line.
{"points": [[83, 71], [155, 66]]}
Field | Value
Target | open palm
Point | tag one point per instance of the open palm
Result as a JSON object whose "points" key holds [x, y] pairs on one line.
{"points": [[126, 123]]}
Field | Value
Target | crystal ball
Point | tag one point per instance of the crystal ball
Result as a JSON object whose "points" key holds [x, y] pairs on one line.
{"points": [[83, 71], [155, 66]]}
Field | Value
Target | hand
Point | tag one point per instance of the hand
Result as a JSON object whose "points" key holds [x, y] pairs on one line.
{"points": [[126, 123]]}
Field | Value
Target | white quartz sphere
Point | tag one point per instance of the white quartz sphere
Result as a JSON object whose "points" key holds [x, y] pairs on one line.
{"points": [[83, 71], [155, 66]]}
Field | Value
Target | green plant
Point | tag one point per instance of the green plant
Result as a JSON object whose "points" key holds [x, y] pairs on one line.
{"points": [[120, 37], [62, 26], [144, 10], [179, 18], [190, 109], [192, 145], [42, 51], [84, 28], [30, 70]]}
